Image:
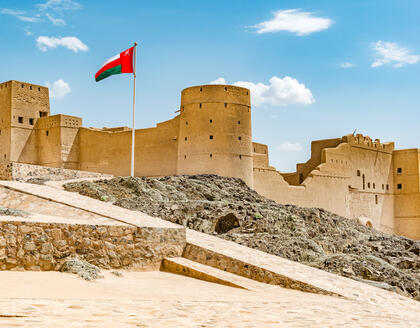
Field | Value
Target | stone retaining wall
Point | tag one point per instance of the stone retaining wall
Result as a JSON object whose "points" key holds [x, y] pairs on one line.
{"points": [[45, 246], [25, 172]]}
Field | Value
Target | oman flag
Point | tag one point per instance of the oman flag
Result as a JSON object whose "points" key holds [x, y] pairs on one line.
{"points": [[121, 63]]}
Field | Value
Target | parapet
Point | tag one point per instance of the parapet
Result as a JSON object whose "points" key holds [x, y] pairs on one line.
{"points": [[215, 93], [59, 121], [366, 142]]}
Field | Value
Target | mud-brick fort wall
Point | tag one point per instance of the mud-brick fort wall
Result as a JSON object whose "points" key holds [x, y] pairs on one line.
{"points": [[215, 132]]}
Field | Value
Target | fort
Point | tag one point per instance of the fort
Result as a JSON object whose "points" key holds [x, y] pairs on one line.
{"points": [[353, 176]]}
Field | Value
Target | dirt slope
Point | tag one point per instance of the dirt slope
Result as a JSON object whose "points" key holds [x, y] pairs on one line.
{"points": [[228, 208]]}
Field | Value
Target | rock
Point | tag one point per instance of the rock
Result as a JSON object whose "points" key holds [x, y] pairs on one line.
{"points": [[226, 223], [82, 268]]}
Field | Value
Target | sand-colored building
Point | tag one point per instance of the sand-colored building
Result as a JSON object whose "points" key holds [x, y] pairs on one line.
{"points": [[353, 176]]}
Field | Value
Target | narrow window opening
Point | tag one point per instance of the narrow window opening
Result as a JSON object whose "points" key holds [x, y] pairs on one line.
{"points": [[383, 187], [20, 119], [201, 89], [47, 133], [387, 187], [239, 122], [358, 173], [368, 185], [363, 178], [186, 123], [43, 114], [30, 87], [185, 156], [211, 121], [39, 89], [247, 93], [225, 89], [211, 156], [240, 156], [399, 186], [239, 138], [376, 199], [211, 137], [185, 138], [31, 121], [399, 170], [22, 86], [200, 105], [374, 186], [225, 105]]}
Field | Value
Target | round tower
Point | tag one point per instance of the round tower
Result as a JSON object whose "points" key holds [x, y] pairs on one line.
{"points": [[215, 132]]}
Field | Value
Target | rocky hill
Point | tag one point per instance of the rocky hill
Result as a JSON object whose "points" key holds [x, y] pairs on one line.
{"points": [[226, 207]]}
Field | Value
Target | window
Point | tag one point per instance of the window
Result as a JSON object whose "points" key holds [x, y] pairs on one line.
{"points": [[225, 105], [20, 119], [239, 138], [185, 138], [47, 133], [211, 121], [225, 89], [200, 105], [211, 137], [186, 123], [399, 170], [239, 122], [240, 156], [39, 89], [376, 199], [383, 187], [358, 173], [369, 185], [211, 156], [43, 114], [185, 156], [22, 86], [374, 185], [201, 89], [0, 132], [30, 87], [31, 121], [387, 187], [399, 186]]}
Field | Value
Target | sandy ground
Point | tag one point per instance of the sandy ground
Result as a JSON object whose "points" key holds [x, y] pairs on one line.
{"points": [[160, 299]]}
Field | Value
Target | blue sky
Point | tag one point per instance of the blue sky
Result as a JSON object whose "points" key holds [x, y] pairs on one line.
{"points": [[316, 69]]}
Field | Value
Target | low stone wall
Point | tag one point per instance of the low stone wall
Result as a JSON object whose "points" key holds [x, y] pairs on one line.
{"points": [[45, 246], [25, 172]]}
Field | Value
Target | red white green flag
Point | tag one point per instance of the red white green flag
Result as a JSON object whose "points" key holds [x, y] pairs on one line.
{"points": [[121, 63]]}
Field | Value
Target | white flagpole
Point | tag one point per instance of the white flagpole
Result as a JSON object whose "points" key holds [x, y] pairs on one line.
{"points": [[134, 113]]}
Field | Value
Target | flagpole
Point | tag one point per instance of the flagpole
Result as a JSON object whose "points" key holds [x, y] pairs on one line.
{"points": [[134, 113]]}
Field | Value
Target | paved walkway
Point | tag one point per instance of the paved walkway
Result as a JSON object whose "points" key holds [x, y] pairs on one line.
{"points": [[159, 299]]}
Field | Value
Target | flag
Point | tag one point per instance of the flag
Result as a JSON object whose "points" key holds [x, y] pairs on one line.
{"points": [[121, 63]]}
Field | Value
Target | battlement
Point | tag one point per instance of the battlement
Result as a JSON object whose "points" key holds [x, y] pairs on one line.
{"points": [[59, 121], [366, 142], [213, 93]]}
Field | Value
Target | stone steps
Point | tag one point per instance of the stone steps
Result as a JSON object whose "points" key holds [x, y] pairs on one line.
{"points": [[186, 267]]}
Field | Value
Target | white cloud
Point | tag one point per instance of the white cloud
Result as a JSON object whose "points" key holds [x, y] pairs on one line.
{"points": [[56, 21], [59, 5], [58, 89], [289, 146], [12, 12], [28, 19], [69, 42], [219, 80], [295, 21], [389, 53], [347, 65], [279, 92]]}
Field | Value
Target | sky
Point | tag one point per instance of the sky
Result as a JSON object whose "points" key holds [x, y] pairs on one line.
{"points": [[316, 69]]}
